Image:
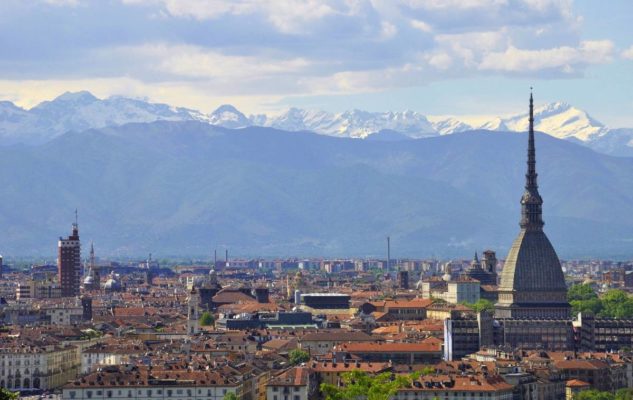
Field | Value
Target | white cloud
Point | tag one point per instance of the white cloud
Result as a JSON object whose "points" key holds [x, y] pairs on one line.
{"points": [[421, 26], [440, 60], [187, 61], [28, 93], [71, 3], [267, 49], [563, 58], [628, 53], [288, 16]]}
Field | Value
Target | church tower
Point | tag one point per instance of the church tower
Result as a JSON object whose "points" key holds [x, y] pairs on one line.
{"points": [[532, 281], [193, 312]]}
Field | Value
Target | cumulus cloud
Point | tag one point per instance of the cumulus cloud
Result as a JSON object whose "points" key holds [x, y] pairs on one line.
{"points": [[628, 53], [268, 49], [563, 58]]}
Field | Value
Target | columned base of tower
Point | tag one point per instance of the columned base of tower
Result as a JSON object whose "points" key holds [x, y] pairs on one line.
{"points": [[560, 311]]}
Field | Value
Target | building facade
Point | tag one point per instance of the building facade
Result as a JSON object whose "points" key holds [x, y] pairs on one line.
{"points": [[69, 263]]}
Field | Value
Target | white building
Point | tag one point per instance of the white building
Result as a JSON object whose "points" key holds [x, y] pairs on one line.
{"points": [[36, 364], [141, 383]]}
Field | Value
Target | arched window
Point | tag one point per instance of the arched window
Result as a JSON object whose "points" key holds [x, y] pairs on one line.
{"points": [[27, 383], [36, 383], [17, 383]]}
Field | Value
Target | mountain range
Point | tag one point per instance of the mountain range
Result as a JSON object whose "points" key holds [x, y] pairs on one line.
{"points": [[187, 187], [81, 110]]}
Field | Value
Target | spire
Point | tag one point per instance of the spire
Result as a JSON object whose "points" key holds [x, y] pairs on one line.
{"points": [[531, 202], [476, 259], [92, 254]]}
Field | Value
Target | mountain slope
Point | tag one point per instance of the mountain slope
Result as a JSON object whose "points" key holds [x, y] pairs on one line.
{"points": [[185, 187]]}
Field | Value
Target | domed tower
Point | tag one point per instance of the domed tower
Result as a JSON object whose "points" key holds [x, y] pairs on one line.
{"points": [[532, 281]]}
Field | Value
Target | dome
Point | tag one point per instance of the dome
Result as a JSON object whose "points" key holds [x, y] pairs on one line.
{"points": [[532, 265]]}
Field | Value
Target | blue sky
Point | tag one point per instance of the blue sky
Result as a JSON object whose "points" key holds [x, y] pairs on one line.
{"points": [[459, 57]]}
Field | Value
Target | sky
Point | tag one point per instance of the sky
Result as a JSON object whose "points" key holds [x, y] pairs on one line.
{"points": [[439, 57]]}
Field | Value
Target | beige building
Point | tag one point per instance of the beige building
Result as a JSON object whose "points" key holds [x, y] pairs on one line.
{"points": [[454, 291], [37, 364], [140, 383], [297, 383]]}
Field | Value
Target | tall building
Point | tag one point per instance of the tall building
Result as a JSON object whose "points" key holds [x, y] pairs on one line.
{"points": [[532, 281], [69, 262]]}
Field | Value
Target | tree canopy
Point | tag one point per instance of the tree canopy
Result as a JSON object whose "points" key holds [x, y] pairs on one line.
{"points": [[614, 303], [358, 385], [6, 394], [481, 305], [622, 394], [206, 319], [298, 356]]}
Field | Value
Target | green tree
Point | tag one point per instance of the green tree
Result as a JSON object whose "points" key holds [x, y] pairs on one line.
{"points": [[616, 304], [206, 319], [624, 394], [230, 396], [581, 292], [298, 356], [594, 395], [6, 394], [357, 385], [481, 305], [593, 306]]}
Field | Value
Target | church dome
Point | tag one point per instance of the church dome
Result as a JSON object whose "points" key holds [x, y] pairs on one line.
{"points": [[532, 265]]}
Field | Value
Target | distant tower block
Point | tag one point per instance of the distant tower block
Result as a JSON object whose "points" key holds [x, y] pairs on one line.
{"points": [[193, 312], [404, 279], [0, 267], [69, 262]]}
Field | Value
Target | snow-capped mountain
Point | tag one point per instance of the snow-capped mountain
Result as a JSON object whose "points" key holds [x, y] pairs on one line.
{"points": [[81, 110], [560, 120], [353, 123], [229, 117]]}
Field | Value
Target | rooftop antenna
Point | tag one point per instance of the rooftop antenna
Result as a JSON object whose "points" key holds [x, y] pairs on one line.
{"points": [[388, 253]]}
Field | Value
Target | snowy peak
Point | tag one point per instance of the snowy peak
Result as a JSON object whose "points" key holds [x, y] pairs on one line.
{"points": [[229, 117], [560, 120], [81, 97], [78, 111], [352, 123]]}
